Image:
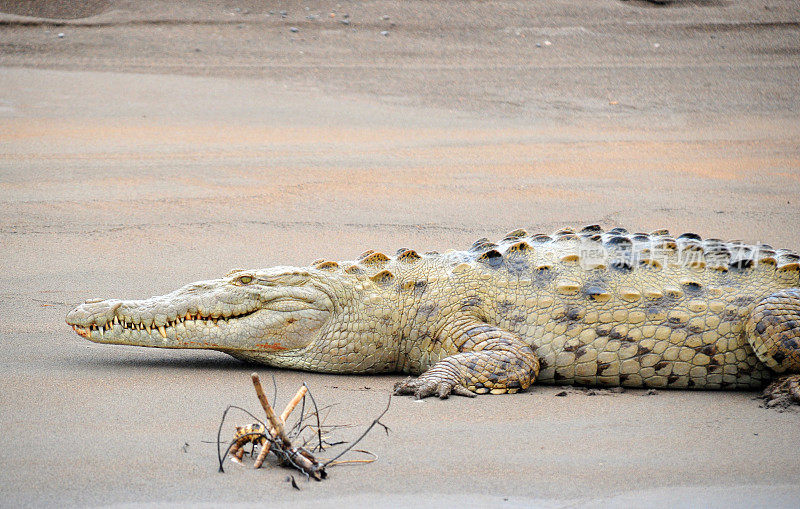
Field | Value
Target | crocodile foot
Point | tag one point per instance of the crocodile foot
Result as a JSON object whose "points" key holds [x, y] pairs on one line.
{"points": [[490, 360], [425, 386], [783, 392]]}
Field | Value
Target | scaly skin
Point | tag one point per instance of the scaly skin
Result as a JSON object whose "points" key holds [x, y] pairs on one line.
{"points": [[590, 308]]}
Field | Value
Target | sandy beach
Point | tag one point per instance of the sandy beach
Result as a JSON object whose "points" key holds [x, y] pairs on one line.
{"points": [[144, 145]]}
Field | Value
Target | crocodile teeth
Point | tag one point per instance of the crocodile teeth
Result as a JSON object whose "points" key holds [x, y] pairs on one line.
{"points": [[116, 320], [187, 316], [147, 328], [162, 331]]}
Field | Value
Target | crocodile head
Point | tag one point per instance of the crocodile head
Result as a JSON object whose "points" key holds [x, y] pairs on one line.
{"points": [[271, 310]]}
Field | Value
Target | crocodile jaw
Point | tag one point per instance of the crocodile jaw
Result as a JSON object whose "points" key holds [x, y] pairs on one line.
{"points": [[218, 314]]}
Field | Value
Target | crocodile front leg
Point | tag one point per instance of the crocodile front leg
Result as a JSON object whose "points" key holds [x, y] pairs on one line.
{"points": [[490, 359]]}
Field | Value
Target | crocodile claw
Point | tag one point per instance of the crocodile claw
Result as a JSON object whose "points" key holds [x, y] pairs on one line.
{"points": [[422, 388]]}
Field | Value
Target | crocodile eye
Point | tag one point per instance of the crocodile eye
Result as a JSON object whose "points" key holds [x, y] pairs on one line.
{"points": [[245, 280]]}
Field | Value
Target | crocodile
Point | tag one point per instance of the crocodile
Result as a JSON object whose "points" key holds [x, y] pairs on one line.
{"points": [[580, 306]]}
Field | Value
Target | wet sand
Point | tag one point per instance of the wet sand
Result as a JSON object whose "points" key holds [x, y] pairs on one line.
{"points": [[131, 163]]}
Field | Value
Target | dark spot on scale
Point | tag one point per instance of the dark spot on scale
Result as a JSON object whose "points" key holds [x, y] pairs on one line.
{"points": [[574, 314], [743, 300], [571, 348], [505, 306], [690, 383], [622, 265], [614, 334], [291, 320], [660, 365], [580, 351], [493, 258], [654, 310], [543, 364], [517, 319], [623, 378], [420, 287], [618, 242], [602, 366], [741, 263], [693, 288], [470, 302], [779, 357], [603, 330], [558, 376], [671, 379], [675, 323], [709, 350], [641, 350], [407, 255], [761, 326], [593, 291], [426, 310], [714, 367], [695, 328]]}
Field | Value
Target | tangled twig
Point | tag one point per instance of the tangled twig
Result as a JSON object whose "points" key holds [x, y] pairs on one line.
{"points": [[272, 436], [375, 422]]}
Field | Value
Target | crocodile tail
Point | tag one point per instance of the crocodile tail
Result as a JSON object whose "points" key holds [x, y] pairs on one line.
{"points": [[773, 330]]}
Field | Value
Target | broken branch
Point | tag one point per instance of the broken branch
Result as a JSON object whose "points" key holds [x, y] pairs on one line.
{"points": [[274, 420], [262, 454]]}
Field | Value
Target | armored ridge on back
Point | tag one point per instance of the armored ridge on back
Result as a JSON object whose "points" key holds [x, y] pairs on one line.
{"points": [[590, 308]]}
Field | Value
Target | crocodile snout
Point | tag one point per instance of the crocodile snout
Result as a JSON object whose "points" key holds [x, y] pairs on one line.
{"points": [[93, 312]]}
